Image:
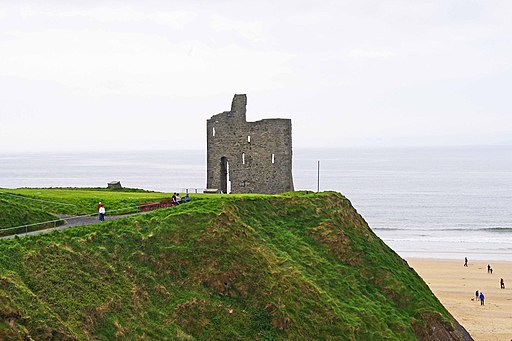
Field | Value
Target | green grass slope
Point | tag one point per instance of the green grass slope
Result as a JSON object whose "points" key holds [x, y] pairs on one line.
{"points": [[16, 214], [82, 200], [294, 267]]}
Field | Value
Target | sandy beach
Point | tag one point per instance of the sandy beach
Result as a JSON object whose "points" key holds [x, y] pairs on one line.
{"points": [[455, 286]]}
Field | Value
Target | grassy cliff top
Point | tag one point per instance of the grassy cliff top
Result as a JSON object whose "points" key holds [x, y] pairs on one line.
{"points": [[79, 200], [15, 214], [292, 266]]}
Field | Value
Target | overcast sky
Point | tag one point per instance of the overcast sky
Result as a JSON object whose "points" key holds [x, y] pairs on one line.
{"points": [[91, 74]]}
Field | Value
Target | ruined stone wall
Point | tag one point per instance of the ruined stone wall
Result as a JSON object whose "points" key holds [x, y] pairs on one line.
{"points": [[259, 153]]}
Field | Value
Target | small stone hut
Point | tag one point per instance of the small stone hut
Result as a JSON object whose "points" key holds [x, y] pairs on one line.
{"points": [[114, 185]]}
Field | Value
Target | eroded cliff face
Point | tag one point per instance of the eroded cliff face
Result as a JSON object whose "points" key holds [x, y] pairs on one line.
{"points": [[292, 266]]}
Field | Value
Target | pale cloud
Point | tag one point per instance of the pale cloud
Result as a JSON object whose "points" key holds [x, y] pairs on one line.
{"points": [[174, 19], [100, 63], [27, 12], [346, 72], [370, 54], [250, 30]]}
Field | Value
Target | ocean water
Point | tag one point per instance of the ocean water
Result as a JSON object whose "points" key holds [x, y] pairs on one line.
{"points": [[451, 202]]}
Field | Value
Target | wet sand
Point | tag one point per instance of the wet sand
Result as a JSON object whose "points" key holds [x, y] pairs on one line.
{"points": [[455, 286]]}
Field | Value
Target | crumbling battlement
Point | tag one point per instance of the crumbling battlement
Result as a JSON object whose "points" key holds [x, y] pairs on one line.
{"points": [[255, 156]]}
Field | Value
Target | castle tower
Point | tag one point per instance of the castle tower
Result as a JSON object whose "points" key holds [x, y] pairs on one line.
{"points": [[248, 157]]}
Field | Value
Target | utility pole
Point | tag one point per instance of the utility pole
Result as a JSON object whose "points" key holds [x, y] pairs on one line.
{"points": [[318, 177]]}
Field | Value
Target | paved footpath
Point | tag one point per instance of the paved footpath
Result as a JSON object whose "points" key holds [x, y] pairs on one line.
{"points": [[74, 221]]}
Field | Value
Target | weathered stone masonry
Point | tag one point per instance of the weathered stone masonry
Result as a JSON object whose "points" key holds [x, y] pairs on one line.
{"points": [[258, 154]]}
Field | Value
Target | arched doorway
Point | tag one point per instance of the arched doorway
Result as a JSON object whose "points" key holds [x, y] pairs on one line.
{"points": [[225, 183]]}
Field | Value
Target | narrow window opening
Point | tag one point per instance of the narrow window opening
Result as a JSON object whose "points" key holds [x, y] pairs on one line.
{"points": [[243, 158], [213, 131], [249, 139], [273, 158]]}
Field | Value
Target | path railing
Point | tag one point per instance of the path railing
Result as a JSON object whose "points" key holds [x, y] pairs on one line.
{"points": [[17, 196], [25, 229], [31, 227]]}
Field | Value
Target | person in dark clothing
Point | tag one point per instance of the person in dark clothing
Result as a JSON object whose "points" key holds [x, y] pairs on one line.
{"points": [[476, 295], [489, 268], [465, 261], [502, 283], [482, 298]]}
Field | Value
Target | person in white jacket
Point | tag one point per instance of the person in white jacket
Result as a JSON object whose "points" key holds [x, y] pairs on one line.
{"points": [[101, 213]]}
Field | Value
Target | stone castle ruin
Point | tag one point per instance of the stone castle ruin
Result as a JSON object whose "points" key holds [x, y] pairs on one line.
{"points": [[248, 157]]}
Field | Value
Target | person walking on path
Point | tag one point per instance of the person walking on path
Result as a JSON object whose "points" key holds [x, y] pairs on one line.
{"points": [[100, 205], [502, 283], [465, 261], [476, 295], [489, 269], [101, 213], [482, 298]]}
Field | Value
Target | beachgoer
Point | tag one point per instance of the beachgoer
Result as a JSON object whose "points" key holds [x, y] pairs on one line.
{"points": [[489, 268], [502, 283], [465, 261], [476, 295], [101, 213], [482, 298], [491, 271], [186, 198]]}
